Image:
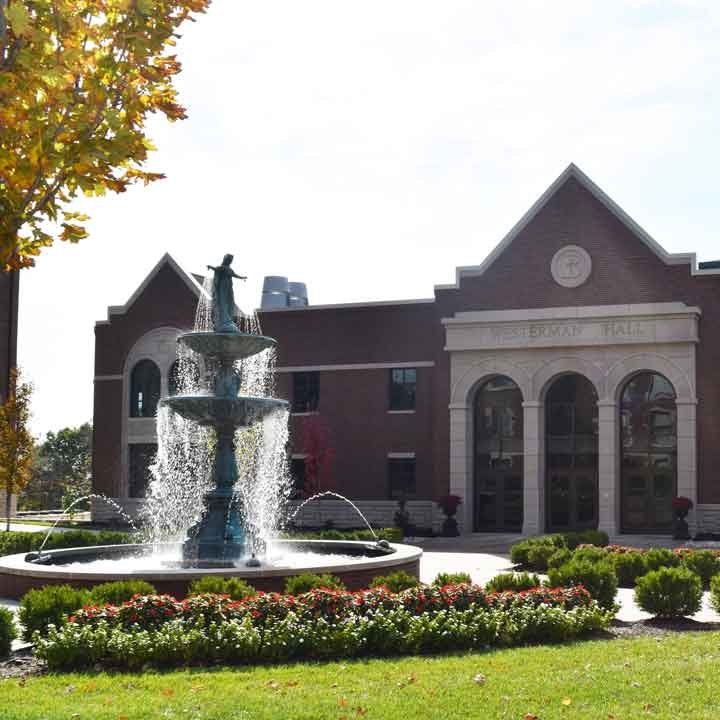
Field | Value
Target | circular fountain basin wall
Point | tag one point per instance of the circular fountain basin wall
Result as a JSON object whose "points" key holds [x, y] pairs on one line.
{"points": [[355, 563]]}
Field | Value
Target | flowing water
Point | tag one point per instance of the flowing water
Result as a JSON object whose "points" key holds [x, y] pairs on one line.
{"points": [[330, 493]]}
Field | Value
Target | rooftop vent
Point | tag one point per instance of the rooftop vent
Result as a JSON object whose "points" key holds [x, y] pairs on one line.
{"points": [[279, 293]]}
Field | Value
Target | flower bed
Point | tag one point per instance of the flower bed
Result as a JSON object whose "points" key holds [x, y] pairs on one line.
{"points": [[159, 630]]}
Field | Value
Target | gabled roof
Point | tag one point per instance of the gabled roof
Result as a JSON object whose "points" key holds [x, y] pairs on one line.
{"points": [[166, 259], [573, 171]]}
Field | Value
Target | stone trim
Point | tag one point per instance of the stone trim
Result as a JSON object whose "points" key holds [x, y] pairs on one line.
{"points": [[354, 366], [103, 378]]}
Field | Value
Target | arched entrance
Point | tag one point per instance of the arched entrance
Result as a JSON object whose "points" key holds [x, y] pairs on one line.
{"points": [[648, 427], [498, 456], [571, 454]]}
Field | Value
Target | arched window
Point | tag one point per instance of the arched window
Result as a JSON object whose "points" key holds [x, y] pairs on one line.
{"points": [[498, 456], [648, 426], [144, 389], [184, 377]]}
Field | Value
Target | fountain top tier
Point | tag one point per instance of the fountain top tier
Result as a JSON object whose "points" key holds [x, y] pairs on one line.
{"points": [[226, 345]]}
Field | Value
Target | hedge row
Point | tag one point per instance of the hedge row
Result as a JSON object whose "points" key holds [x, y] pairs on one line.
{"points": [[392, 534], [326, 624], [18, 542]]}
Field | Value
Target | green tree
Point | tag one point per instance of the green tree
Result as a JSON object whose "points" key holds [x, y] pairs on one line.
{"points": [[61, 469], [16, 442], [78, 79]]}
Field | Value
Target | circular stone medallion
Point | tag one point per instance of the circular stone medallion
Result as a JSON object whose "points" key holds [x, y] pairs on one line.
{"points": [[571, 266]]}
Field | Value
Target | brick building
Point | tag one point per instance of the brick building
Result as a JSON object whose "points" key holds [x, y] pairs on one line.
{"points": [[569, 381]]}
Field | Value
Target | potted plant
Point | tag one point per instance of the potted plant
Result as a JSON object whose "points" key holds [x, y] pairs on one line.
{"points": [[449, 505], [681, 507]]}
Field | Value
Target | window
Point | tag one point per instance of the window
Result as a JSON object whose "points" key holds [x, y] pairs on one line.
{"points": [[297, 474], [144, 389], [402, 388], [142, 456], [401, 474], [306, 392], [184, 377]]}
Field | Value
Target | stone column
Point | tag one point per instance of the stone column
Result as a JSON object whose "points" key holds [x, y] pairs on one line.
{"points": [[533, 468], [608, 468], [461, 465], [687, 456]]}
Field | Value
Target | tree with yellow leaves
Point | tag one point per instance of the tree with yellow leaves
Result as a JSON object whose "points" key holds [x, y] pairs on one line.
{"points": [[16, 442], [78, 79]]}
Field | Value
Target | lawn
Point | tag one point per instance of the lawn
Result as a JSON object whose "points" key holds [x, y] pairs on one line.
{"points": [[674, 677]]}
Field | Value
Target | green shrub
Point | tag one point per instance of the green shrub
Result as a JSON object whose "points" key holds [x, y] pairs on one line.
{"points": [[669, 592], [715, 593], [24, 542], [629, 566], [116, 593], [512, 581], [590, 537], [451, 579], [236, 588], [298, 584], [8, 631], [657, 558], [591, 553], [520, 552], [539, 556], [559, 557], [49, 605], [597, 577], [392, 534], [395, 582], [704, 563]]}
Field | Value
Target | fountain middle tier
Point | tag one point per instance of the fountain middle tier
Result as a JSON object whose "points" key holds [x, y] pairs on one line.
{"points": [[235, 346], [219, 412]]}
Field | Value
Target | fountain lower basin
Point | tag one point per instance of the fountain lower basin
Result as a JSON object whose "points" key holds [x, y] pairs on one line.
{"points": [[355, 563]]}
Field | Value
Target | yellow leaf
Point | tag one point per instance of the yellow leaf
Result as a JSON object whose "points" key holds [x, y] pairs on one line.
{"points": [[19, 18], [566, 702]]}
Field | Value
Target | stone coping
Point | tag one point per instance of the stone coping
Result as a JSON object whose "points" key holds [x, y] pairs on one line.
{"points": [[16, 565]]}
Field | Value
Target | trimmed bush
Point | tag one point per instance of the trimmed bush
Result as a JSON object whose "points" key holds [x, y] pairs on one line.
{"points": [[49, 605], [704, 563], [715, 593], [629, 566], [559, 557], [539, 556], [392, 534], [660, 558], [235, 588], [669, 592], [512, 581], [18, 542], [395, 582], [116, 593], [298, 584], [591, 553], [8, 631], [597, 577], [442, 579], [520, 552], [598, 538]]}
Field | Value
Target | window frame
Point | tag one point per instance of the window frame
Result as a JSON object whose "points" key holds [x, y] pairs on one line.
{"points": [[393, 406], [409, 490], [136, 391], [309, 404]]}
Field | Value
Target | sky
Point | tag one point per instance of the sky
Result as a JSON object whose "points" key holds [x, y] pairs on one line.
{"points": [[368, 148]]}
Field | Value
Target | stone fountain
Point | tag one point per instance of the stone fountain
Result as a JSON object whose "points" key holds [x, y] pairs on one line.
{"points": [[218, 538]]}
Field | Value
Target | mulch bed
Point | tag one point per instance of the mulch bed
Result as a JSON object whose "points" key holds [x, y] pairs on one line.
{"points": [[21, 664]]}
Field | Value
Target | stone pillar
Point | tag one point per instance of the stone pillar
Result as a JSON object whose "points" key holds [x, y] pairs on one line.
{"points": [[533, 468], [608, 467], [687, 456], [461, 465]]}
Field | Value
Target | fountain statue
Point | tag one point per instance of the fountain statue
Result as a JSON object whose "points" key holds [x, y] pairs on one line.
{"points": [[218, 539]]}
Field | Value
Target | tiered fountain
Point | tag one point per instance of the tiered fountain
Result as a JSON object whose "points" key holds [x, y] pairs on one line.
{"points": [[218, 542], [218, 538]]}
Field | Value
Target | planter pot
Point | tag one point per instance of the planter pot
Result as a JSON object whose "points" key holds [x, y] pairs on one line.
{"points": [[450, 527], [681, 531]]}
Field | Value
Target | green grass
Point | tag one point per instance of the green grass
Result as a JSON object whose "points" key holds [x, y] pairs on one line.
{"points": [[644, 678]]}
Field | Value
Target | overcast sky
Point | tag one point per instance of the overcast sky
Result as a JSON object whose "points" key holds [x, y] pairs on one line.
{"points": [[368, 148]]}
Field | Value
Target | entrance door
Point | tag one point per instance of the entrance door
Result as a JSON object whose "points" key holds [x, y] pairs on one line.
{"points": [[571, 454], [648, 422], [498, 458]]}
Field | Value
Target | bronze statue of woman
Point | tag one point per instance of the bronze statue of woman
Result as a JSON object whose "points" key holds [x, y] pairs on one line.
{"points": [[223, 298]]}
